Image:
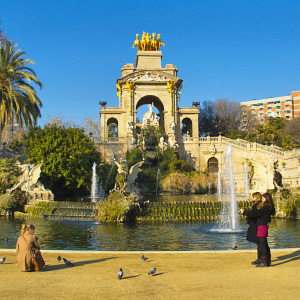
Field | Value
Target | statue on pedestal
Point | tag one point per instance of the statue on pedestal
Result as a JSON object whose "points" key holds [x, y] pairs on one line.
{"points": [[162, 144], [148, 42], [29, 182], [173, 144], [150, 118], [172, 127], [125, 181], [130, 126]]}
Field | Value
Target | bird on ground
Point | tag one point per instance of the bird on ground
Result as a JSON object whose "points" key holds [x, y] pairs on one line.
{"points": [[6, 239], [58, 258], [120, 274], [144, 258], [152, 271], [2, 260], [67, 262]]}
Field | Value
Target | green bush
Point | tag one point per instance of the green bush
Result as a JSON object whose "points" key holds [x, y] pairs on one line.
{"points": [[68, 156], [9, 173], [117, 208], [287, 203], [7, 202], [134, 157], [180, 165], [13, 202]]}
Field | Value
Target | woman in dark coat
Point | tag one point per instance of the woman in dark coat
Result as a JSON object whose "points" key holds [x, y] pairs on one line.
{"points": [[263, 214], [252, 229]]}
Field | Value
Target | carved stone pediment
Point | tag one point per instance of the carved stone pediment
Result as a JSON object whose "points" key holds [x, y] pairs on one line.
{"points": [[157, 76]]}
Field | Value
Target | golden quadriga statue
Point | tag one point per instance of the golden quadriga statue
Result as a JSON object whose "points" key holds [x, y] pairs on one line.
{"points": [[148, 42]]}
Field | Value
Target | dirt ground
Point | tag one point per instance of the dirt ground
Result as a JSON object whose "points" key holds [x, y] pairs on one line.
{"points": [[202, 275]]}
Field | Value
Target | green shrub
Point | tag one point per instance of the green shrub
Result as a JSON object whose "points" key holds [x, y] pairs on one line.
{"points": [[7, 202], [180, 165], [13, 202], [9, 173], [117, 208]]}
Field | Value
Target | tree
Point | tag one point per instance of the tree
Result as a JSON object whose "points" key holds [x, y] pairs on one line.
{"points": [[272, 132], [113, 130], [18, 99], [67, 155], [251, 120], [275, 133], [58, 120], [3, 37], [92, 127], [207, 119], [9, 174], [293, 129], [228, 115]]}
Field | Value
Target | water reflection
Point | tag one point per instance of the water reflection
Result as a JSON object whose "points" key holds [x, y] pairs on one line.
{"points": [[67, 235]]}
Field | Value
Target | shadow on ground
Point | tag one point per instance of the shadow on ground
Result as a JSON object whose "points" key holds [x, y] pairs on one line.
{"points": [[62, 265], [283, 259]]}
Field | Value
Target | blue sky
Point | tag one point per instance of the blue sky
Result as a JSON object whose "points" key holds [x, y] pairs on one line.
{"points": [[241, 50]]}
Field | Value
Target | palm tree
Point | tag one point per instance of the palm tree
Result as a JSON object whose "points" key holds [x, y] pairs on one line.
{"points": [[18, 99]]}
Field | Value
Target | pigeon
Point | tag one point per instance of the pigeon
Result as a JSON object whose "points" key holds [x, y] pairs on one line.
{"points": [[120, 274], [67, 262], [58, 258], [152, 271], [144, 258], [2, 260]]}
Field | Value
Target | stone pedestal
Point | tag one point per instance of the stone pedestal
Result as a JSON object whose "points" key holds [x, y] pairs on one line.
{"points": [[148, 60]]}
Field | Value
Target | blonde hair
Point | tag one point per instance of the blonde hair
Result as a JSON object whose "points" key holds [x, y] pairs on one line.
{"points": [[26, 228], [257, 197]]}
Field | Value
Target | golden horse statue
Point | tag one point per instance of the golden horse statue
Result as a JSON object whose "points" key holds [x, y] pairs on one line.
{"points": [[160, 43], [148, 42], [137, 43], [143, 41]]}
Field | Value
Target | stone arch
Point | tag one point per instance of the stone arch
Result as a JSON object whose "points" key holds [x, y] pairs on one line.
{"points": [[187, 127], [149, 99], [112, 131], [213, 165]]}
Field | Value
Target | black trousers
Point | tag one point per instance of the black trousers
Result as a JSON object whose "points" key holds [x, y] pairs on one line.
{"points": [[264, 249]]}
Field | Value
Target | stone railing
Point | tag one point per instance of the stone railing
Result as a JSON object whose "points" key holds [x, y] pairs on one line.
{"points": [[107, 140], [244, 144]]}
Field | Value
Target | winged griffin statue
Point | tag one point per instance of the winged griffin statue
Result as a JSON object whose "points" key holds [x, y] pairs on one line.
{"points": [[125, 181], [29, 180]]}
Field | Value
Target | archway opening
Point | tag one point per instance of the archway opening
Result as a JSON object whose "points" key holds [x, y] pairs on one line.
{"points": [[142, 108], [213, 165], [186, 127], [112, 128]]}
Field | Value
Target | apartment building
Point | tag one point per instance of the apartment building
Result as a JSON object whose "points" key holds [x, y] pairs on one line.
{"points": [[257, 111]]}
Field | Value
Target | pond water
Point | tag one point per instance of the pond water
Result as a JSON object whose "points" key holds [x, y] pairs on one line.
{"points": [[169, 236]]}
